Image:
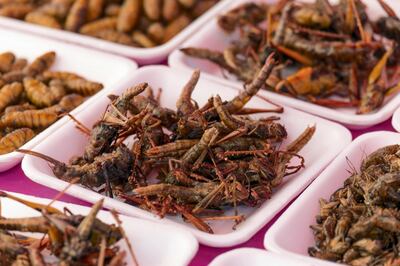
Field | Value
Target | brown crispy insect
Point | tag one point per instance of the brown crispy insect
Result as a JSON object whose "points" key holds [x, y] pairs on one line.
{"points": [[170, 9], [15, 139], [152, 9], [29, 118], [41, 64], [83, 87], [142, 39], [201, 7], [19, 64], [95, 8], [187, 3], [19, 108], [18, 11], [156, 32], [99, 25], [128, 15], [42, 19], [61, 75], [42, 95], [6, 61], [114, 36], [10, 94], [176, 26], [77, 15]]}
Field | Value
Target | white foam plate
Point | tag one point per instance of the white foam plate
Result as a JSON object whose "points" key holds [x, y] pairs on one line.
{"points": [[329, 140], [291, 234], [254, 257], [396, 120], [212, 37], [112, 71], [153, 244], [141, 55]]}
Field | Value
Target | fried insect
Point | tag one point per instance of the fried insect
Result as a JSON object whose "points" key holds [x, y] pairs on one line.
{"points": [[6, 61], [189, 161], [29, 118], [71, 239], [42, 95], [15, 139], [40, 64], [359, 224], [82, 87], [125, 22], [77, 15], [9, 94], [33, 96], [327, 51], [128, 15]]}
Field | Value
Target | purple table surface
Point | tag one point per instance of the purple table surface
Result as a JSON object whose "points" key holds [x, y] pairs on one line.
{"points": [[15, 180]]}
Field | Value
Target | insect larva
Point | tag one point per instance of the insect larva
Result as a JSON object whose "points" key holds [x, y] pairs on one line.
{"points": [[142, 39], [19, 64], [176, 26], [112, 10], [15, 139], [29, 118], [13, 76], [77, 15], [170, 9], [188, 3], [17, 11], [152, 8], [156, 32], [9, 94], [95, 8], [82, 87], [42, 19], [42, 95], [6, 61], [113, 36], [41, 64], [19, 108], [62, 75], [128, 15], [99, 25]]}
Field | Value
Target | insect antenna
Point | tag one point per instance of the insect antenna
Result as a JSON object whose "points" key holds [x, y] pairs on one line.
{"points": [[40, 155], [130, 248]]}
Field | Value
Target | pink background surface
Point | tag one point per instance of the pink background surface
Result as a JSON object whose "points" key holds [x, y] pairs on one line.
{"points": [[15, 180]]}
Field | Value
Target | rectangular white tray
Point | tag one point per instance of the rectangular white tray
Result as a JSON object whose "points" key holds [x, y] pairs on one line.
{"points": [[141, 55], [153, 244], [212, 37], [112, 71], [291, 234], [329, 140]]}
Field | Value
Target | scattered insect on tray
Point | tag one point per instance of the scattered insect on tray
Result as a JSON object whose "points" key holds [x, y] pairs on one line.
{"points": [[331, 55]]}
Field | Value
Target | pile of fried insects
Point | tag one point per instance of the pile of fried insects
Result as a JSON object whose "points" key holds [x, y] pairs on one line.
{"points": [[360, 224], [204, 159], [32, 97], [68, 239], [142, 23], [332, 55]]}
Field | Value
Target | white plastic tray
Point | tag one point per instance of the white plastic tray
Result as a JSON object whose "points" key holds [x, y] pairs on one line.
{"points": [[254, 257], [141, 55], [212, 37], [291, 234], [153, 244], [329, 140], [396, 120], [112, 71]]}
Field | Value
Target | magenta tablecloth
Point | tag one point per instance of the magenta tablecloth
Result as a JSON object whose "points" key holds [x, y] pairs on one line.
{"points": [[15, 180]]}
